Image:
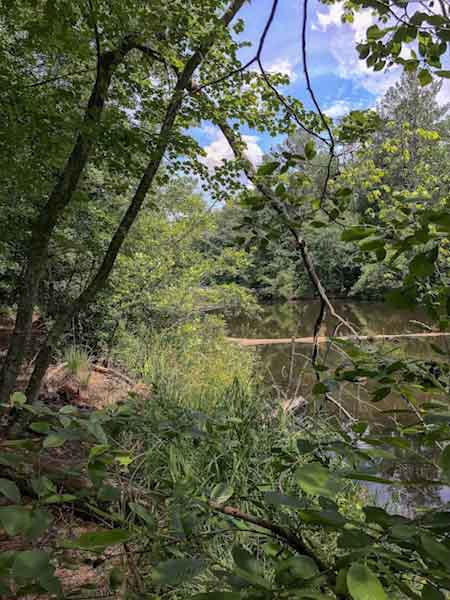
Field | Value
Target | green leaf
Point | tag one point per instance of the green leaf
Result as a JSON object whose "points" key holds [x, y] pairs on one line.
{"points": [[6, 562], [371, 245], [341, 583], [141, 512], [327, 518], [403, 532], [246, 561], [221, 493], [55, 440], [176, 571], [15, 519], [441, 73], [268, 168], [436, 550], [9, 459], [441, 219], [109, 493], [315, 479], [98, 451], [248, 568], [40, 427], [310, 149], [429, 592], [59, 498], [445, 461], [320, 388], [10, 490], [97, 431], [424, 77], [374, 33], [363, 584], [68, 409], [375, 514], [18, 399], [354, 475], [31, 564], [97, 541], [40, 522], [296, 567], [277, 499], [218, 596], [354, 538], [401, 298], [359, 232], [421, 266]]}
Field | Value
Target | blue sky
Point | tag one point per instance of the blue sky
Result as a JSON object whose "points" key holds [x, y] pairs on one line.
{"points": [[340, 80]]}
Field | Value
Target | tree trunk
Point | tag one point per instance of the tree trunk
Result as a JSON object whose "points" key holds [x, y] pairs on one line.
{"points": [[99, 280], [58, 200]]}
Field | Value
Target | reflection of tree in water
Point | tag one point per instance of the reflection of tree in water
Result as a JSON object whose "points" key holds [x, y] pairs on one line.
{"points": [[407, 500], [298, 320]]}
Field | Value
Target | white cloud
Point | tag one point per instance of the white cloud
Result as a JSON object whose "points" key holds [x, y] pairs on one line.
{"points": [[332, 17], [443, 96], [342, 40], [219, 150], [338, 109], [209, 130], [283, 66]]}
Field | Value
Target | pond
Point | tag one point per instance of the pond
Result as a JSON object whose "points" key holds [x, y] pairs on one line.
{"points": [[286, 368]]}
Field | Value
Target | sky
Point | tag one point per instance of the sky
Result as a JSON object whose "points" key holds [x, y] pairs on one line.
{"points": [[340, 80]]}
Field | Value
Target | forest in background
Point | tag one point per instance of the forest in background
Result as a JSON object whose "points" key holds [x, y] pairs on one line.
{"points": [[121, 250]]}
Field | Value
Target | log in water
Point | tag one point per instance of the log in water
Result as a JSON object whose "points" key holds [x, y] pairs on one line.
{"points": [[324, 339]]}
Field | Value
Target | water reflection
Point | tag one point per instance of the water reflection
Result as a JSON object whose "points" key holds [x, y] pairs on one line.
{"points": [[287, 368], [287, 371]]}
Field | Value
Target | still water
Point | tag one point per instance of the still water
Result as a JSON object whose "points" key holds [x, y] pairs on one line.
{"points": [[286, 369]]}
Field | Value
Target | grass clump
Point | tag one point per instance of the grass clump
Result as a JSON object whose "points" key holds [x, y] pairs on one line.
{"points": [[78, 363], [190, 364]]}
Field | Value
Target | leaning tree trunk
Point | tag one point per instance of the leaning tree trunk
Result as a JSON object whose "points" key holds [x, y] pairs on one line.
{"points": [[58, 200], [99, 280]]}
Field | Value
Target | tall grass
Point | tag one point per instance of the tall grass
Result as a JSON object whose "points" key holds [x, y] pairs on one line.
{"points": [[78, 363], [191, 365]]}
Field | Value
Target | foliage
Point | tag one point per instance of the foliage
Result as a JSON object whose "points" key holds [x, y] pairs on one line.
{"points": [[206, 486], [189, 364]]}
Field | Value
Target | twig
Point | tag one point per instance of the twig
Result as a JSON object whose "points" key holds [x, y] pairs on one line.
{"points": [[349, 416], [316, 103], [292, 540]]}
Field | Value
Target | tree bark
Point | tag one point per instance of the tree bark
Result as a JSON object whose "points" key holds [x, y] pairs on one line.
{"points": [[100, 278], [44, 226]]}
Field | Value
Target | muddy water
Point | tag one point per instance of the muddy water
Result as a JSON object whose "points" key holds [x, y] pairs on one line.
{"points": [[286, 370]]}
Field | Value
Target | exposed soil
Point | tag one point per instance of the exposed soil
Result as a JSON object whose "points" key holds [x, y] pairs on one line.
{"points": [[94, 388]]}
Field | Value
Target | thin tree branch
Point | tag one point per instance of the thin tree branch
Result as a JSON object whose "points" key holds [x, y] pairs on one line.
{"points": [[293, 541], [257, 59], [316, 103], [308, 79], [236, 146]]}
